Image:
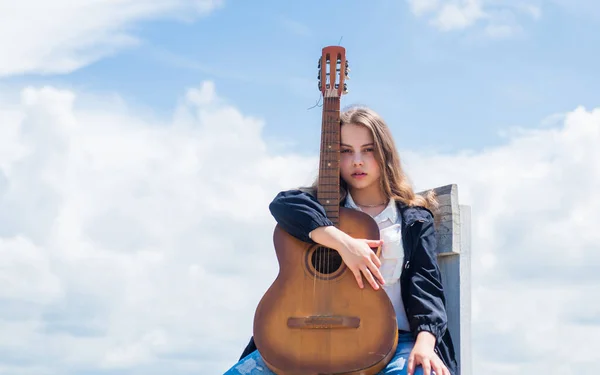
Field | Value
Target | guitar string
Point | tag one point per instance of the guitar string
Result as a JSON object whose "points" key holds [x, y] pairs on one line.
{"points": [[331, 127], [324, 295], [317, 252]]}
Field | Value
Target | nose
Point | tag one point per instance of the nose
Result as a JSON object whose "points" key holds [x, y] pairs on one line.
{"points": [[357, 160]]}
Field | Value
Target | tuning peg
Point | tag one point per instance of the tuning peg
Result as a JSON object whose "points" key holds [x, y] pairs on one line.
{"points": [[345, 89], [346, 63], [319, 75]]}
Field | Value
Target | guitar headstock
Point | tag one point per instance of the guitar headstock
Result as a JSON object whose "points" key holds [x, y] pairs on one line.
{"points": [[333, 71]]}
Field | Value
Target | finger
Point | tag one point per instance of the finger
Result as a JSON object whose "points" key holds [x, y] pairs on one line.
{"points": [[437, 367], [426, 367], [377, 274], [358, 278], [369, 277], [374, 243], [376, 260], [411, 364]]}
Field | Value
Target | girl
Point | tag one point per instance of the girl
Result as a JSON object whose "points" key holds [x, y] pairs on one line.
{"points": [[372, 180]]}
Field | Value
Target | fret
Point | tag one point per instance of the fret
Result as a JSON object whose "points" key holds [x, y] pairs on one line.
{"points": [[329, 168], [330, 190], [328, 200], [331, 199]]}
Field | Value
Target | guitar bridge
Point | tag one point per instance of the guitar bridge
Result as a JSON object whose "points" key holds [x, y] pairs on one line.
{"points": [[324, 321]]}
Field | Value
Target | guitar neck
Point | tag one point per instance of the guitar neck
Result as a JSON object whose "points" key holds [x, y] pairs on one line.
{"points": [[328, 193]]}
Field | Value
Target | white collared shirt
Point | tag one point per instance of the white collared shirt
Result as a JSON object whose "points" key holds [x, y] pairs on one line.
{"points": [[392, 255]]}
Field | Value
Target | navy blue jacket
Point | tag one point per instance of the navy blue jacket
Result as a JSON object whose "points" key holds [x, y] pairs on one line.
{"points": [[299, 212]]}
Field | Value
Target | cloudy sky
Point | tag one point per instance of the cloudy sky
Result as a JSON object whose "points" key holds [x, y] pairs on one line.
{"points": [[141, 142]]}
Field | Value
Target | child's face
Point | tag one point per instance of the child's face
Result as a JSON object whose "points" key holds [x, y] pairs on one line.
{"points": [[358, 165]]}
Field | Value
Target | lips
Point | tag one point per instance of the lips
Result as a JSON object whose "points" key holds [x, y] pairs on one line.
{"points": [[358, 174]]}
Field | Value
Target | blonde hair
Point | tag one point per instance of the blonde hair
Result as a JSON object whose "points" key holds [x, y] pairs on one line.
{"points": [[394, 182]]}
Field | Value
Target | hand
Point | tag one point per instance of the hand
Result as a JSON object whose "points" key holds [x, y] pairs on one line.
{"points": [[360, 258], [423, 354]]}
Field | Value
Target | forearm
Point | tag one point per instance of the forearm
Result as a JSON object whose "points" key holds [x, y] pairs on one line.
{"points": [[331, 237]]}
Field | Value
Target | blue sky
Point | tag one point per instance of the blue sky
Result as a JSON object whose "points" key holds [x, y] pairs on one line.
{"points": [[441, 90], [132, 131]]}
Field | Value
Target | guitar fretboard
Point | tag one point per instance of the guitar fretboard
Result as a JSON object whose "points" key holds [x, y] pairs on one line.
{"points": [[328, 192]]}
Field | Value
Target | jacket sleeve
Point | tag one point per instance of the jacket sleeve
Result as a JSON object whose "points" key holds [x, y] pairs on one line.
{"points": [[427, 310], [298, 213]]}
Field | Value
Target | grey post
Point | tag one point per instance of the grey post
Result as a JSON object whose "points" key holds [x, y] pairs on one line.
{"points": [[454, 258]]}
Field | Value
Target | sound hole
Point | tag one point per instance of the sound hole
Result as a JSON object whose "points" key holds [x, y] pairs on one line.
{"points": [[325, 260]]}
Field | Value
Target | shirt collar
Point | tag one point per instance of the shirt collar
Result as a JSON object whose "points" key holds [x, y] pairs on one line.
{"points": [[389, 212]]}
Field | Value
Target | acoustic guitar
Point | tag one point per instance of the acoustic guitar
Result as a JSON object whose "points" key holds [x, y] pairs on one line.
{"points": [[314, 319]]}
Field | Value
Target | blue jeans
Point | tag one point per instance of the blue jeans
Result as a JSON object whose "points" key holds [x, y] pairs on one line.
{"points": [[254, 365]]}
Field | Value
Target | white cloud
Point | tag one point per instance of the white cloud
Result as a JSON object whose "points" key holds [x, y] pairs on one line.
{"points": [[68, 35], [501, 31], [535, 211], [145, 246], [498, 18], [130, 243], [420, 7], [453, 16], [534, 11], [294, 27]]}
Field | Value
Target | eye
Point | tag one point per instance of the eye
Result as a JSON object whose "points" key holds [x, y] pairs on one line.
{"points": [[369, 149], [345, 150]]}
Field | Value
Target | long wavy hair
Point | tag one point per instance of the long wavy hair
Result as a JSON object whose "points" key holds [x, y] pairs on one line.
{"points": [[394, 182]]}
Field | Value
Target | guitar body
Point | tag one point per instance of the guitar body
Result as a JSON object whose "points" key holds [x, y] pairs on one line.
{"points": [[315, 319]]}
